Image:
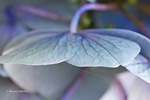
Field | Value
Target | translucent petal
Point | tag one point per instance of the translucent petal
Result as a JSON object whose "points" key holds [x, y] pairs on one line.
{"points": [[50, 81], [9, 91], [101, 50], [140, 66], [143, 41], [80, 49], [47, 49]]}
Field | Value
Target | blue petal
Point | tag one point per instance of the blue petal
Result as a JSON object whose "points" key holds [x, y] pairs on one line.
{"points": [[102, 50], [143, 41], [49, 80], [140, 66], [85, 49], [40, 49]]}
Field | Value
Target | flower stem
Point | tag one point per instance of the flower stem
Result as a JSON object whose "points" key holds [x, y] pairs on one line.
{"points": [[39, 12], [75, 85], [87, 7], [120, 90], [144, 7]]}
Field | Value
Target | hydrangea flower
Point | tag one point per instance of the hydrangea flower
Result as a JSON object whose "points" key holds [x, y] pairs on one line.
{"points": [[52, 81], [48, 53], [83, 48]]}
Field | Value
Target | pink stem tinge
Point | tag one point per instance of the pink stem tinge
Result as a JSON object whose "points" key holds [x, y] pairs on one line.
{"points": [[120, 90], [75, 85], [39, 12], [87, 7]]}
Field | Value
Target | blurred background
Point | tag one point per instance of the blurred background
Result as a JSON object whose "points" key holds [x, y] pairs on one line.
{"points": [[20, 82]]}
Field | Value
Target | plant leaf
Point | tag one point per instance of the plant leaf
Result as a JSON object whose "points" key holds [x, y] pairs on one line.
{"points": [[89, 49]]}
